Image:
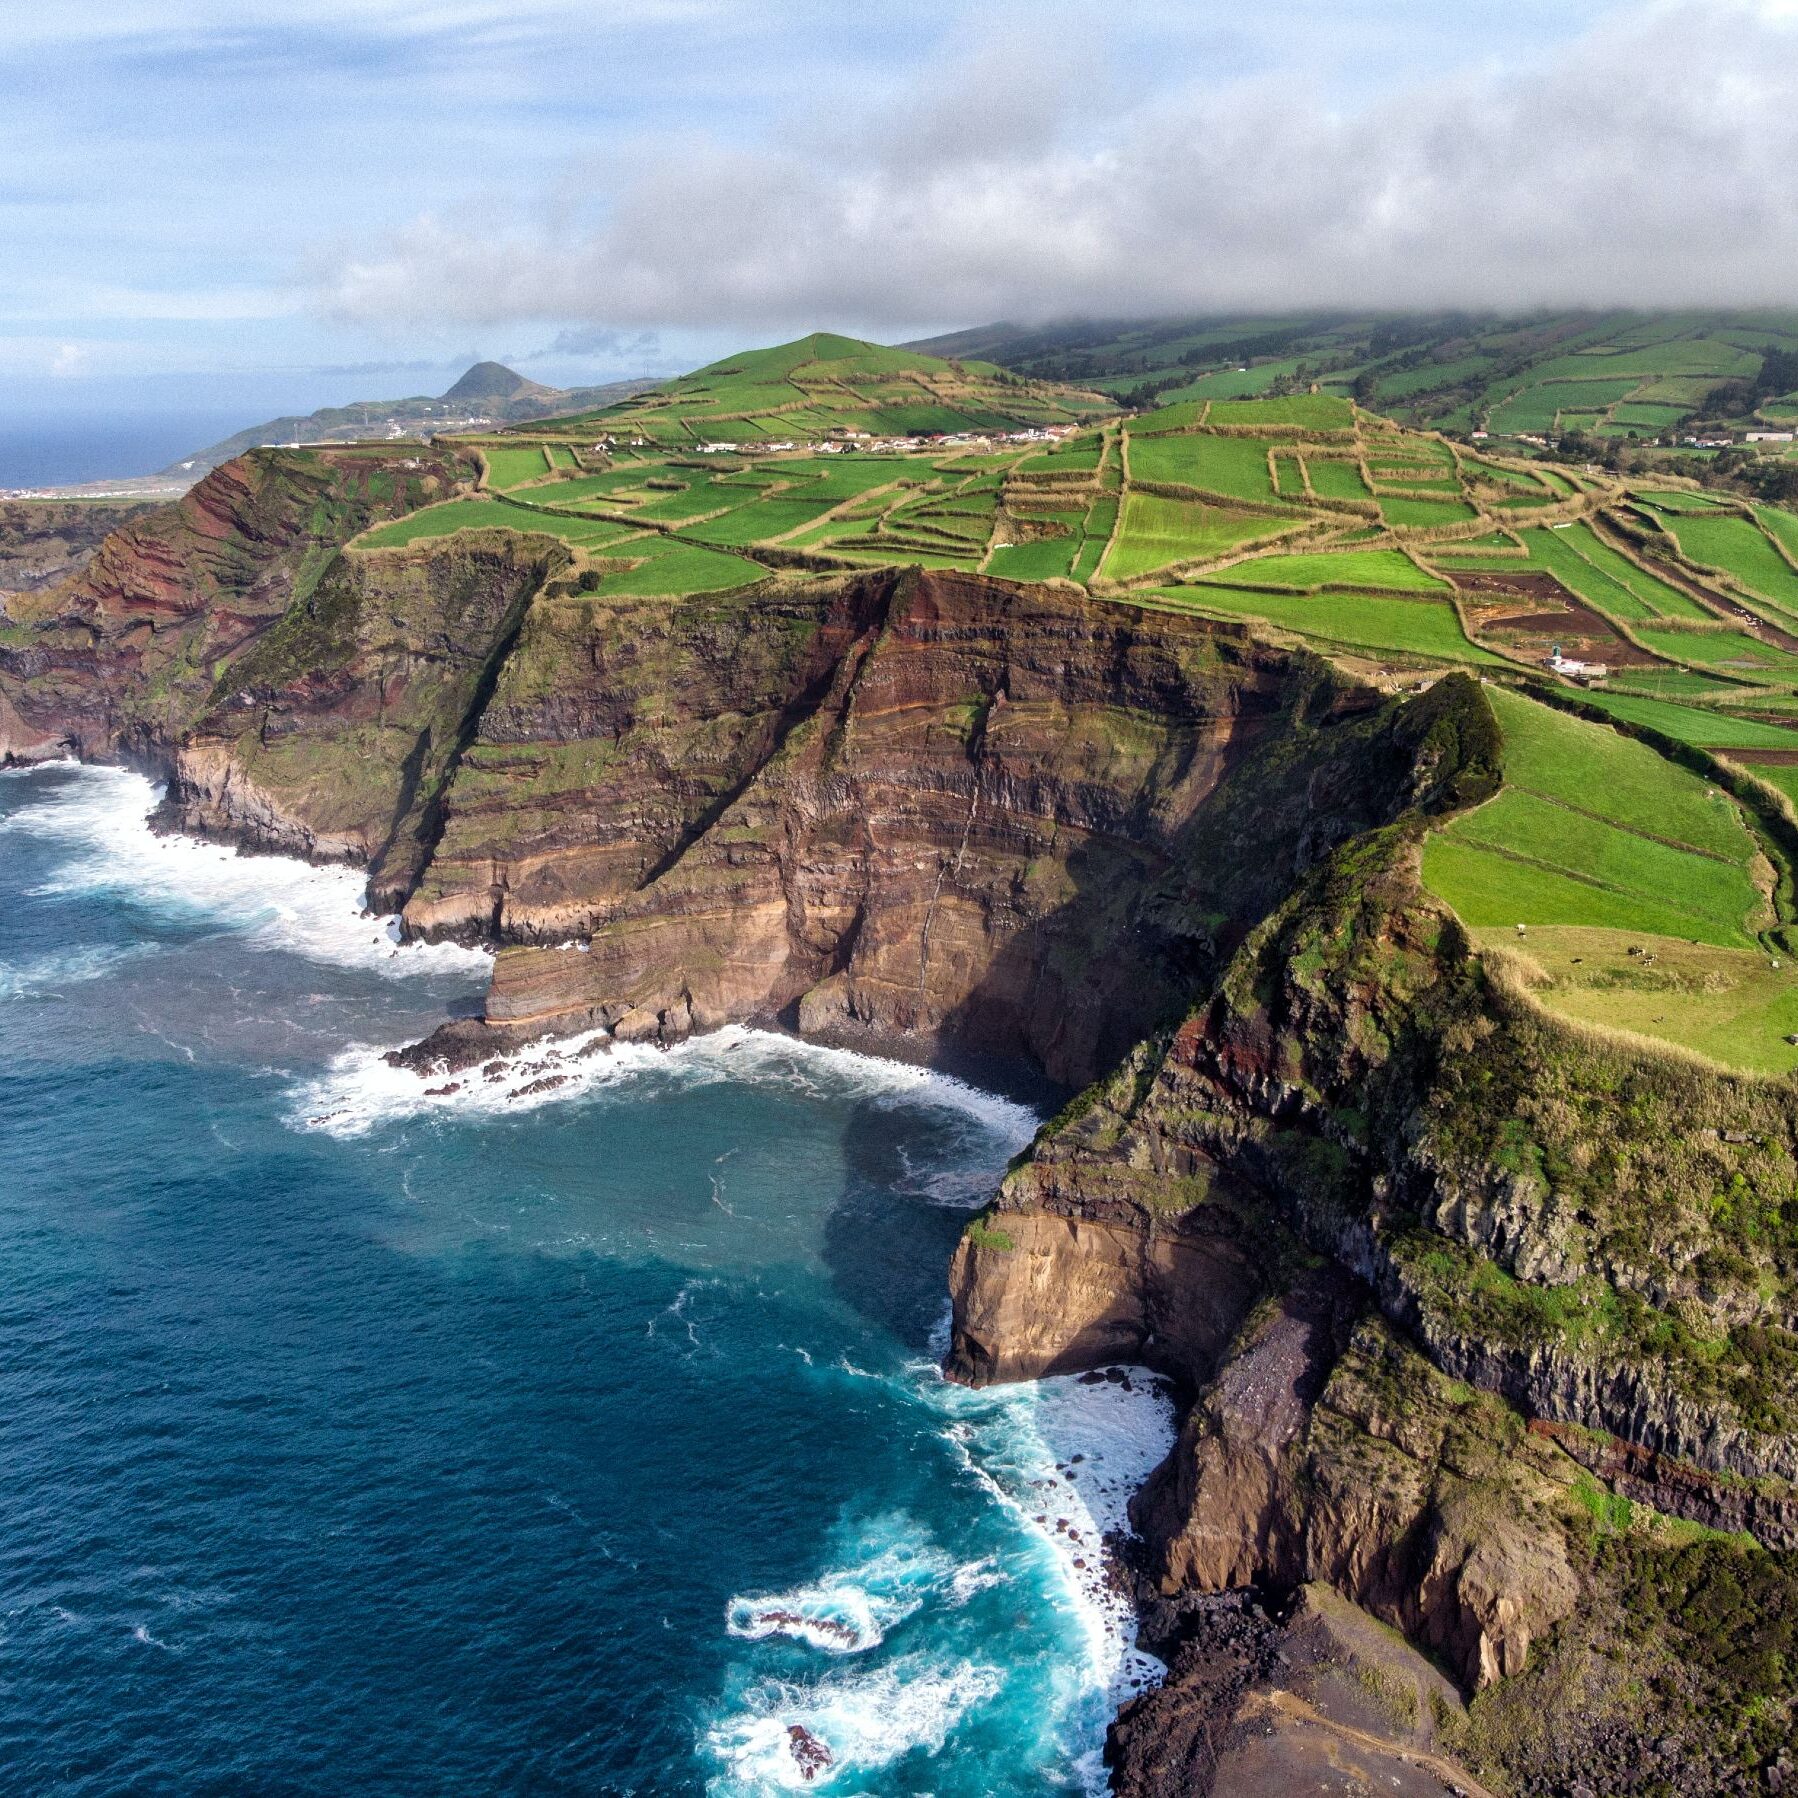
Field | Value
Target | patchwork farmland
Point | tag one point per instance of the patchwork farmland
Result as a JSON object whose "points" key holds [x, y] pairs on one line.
{"points": [[1632, 843]]}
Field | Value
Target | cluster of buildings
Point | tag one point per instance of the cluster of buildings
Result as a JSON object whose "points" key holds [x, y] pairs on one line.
{"points": [[1727, 442], [868, 444]]}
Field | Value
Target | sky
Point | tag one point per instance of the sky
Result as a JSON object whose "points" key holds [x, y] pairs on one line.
{"points": [[256, 205]]}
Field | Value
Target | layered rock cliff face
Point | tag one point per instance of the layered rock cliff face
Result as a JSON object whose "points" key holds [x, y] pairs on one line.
{"points": [[1443, 1282], [44, 541], [126, 653], [899, 808]]}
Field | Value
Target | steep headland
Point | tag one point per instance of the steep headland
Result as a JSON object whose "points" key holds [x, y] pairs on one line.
{"points": [[1485, 1319]]}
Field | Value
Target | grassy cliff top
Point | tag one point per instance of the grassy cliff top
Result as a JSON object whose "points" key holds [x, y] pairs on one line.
{"points": [[1632, 844], [815, 385]]}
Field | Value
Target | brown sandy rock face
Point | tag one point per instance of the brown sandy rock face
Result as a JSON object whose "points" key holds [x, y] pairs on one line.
{"points": [[913, 807], [1078, 1293]]}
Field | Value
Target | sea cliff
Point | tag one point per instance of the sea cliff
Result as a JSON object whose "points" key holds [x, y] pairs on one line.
{"points": [[1443, 1281]]}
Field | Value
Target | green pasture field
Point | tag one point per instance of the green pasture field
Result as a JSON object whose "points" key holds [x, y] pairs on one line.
{"points": [[438, 521], [1157, 532], [1401, 385], [1607, 581], [1701, 725], [1101, 520], [1079, 455], [1683, 391], [1426, 511], [1676, 356], [1228, 383], [681, 568], [1336, 480], [1236, 466], [1041, 560], [1783, 775], [966, 526], [1304, 411], [1593, 829], [1673, 683], [1589, 766], [1357, 621], [1412, 486], [699, 499], [1534, 410], [486, 514], [1734, 652], [758, 520], [1778, 522], [1492, 888], [596, 486], [1513, 478], [1739, 547], [513, 465], [1289, 477], [1181, 416], [1646, 415], [1411, 448], [1375, 570], [1658, 595], [1730, 1004]]}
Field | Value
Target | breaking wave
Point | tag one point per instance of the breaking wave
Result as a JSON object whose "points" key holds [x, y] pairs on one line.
{"points": [[101, 817], [361, 1090], [829, 1735], [852, 1609]]}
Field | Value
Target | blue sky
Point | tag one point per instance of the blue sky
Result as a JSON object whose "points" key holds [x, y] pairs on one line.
{"points": [[270, 204]]}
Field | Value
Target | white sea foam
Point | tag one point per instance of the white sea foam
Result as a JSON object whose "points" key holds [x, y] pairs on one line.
{"points": [[1063, 1456], [49, 974], [851, 1609], [361, 1090], [276, 902], [866, 1721]]}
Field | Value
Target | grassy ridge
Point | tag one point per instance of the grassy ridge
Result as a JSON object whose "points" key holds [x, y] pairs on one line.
{"points": [[1594, 830]]}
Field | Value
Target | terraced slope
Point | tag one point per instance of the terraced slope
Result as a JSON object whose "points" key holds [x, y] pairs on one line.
{"points": [[805, 389]]}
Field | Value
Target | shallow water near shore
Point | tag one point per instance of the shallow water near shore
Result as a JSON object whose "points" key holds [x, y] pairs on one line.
{"points": [[584, 1438]]}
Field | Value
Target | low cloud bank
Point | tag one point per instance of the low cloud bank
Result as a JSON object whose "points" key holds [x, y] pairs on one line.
{"points": [[1650, 163]]}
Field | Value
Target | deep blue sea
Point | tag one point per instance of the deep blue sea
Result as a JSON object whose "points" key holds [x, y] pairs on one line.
{"points": [[65, 448], [576, 1431]]}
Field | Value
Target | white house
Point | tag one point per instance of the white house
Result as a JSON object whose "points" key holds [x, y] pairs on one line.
{"points": [[1574, 670]]}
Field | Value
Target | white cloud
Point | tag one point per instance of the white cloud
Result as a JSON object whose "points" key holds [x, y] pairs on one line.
{"points": [[1647, 162]]}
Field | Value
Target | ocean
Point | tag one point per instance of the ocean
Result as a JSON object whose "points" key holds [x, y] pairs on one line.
{"points": [[64, 450], [574, 1431]]}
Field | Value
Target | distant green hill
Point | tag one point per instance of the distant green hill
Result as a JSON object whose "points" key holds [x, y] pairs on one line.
{"points": [[821, 384], [488, 390], [1609, 374]]}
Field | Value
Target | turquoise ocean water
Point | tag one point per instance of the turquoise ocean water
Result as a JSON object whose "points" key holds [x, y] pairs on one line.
{"points": [[577, 1431]]}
